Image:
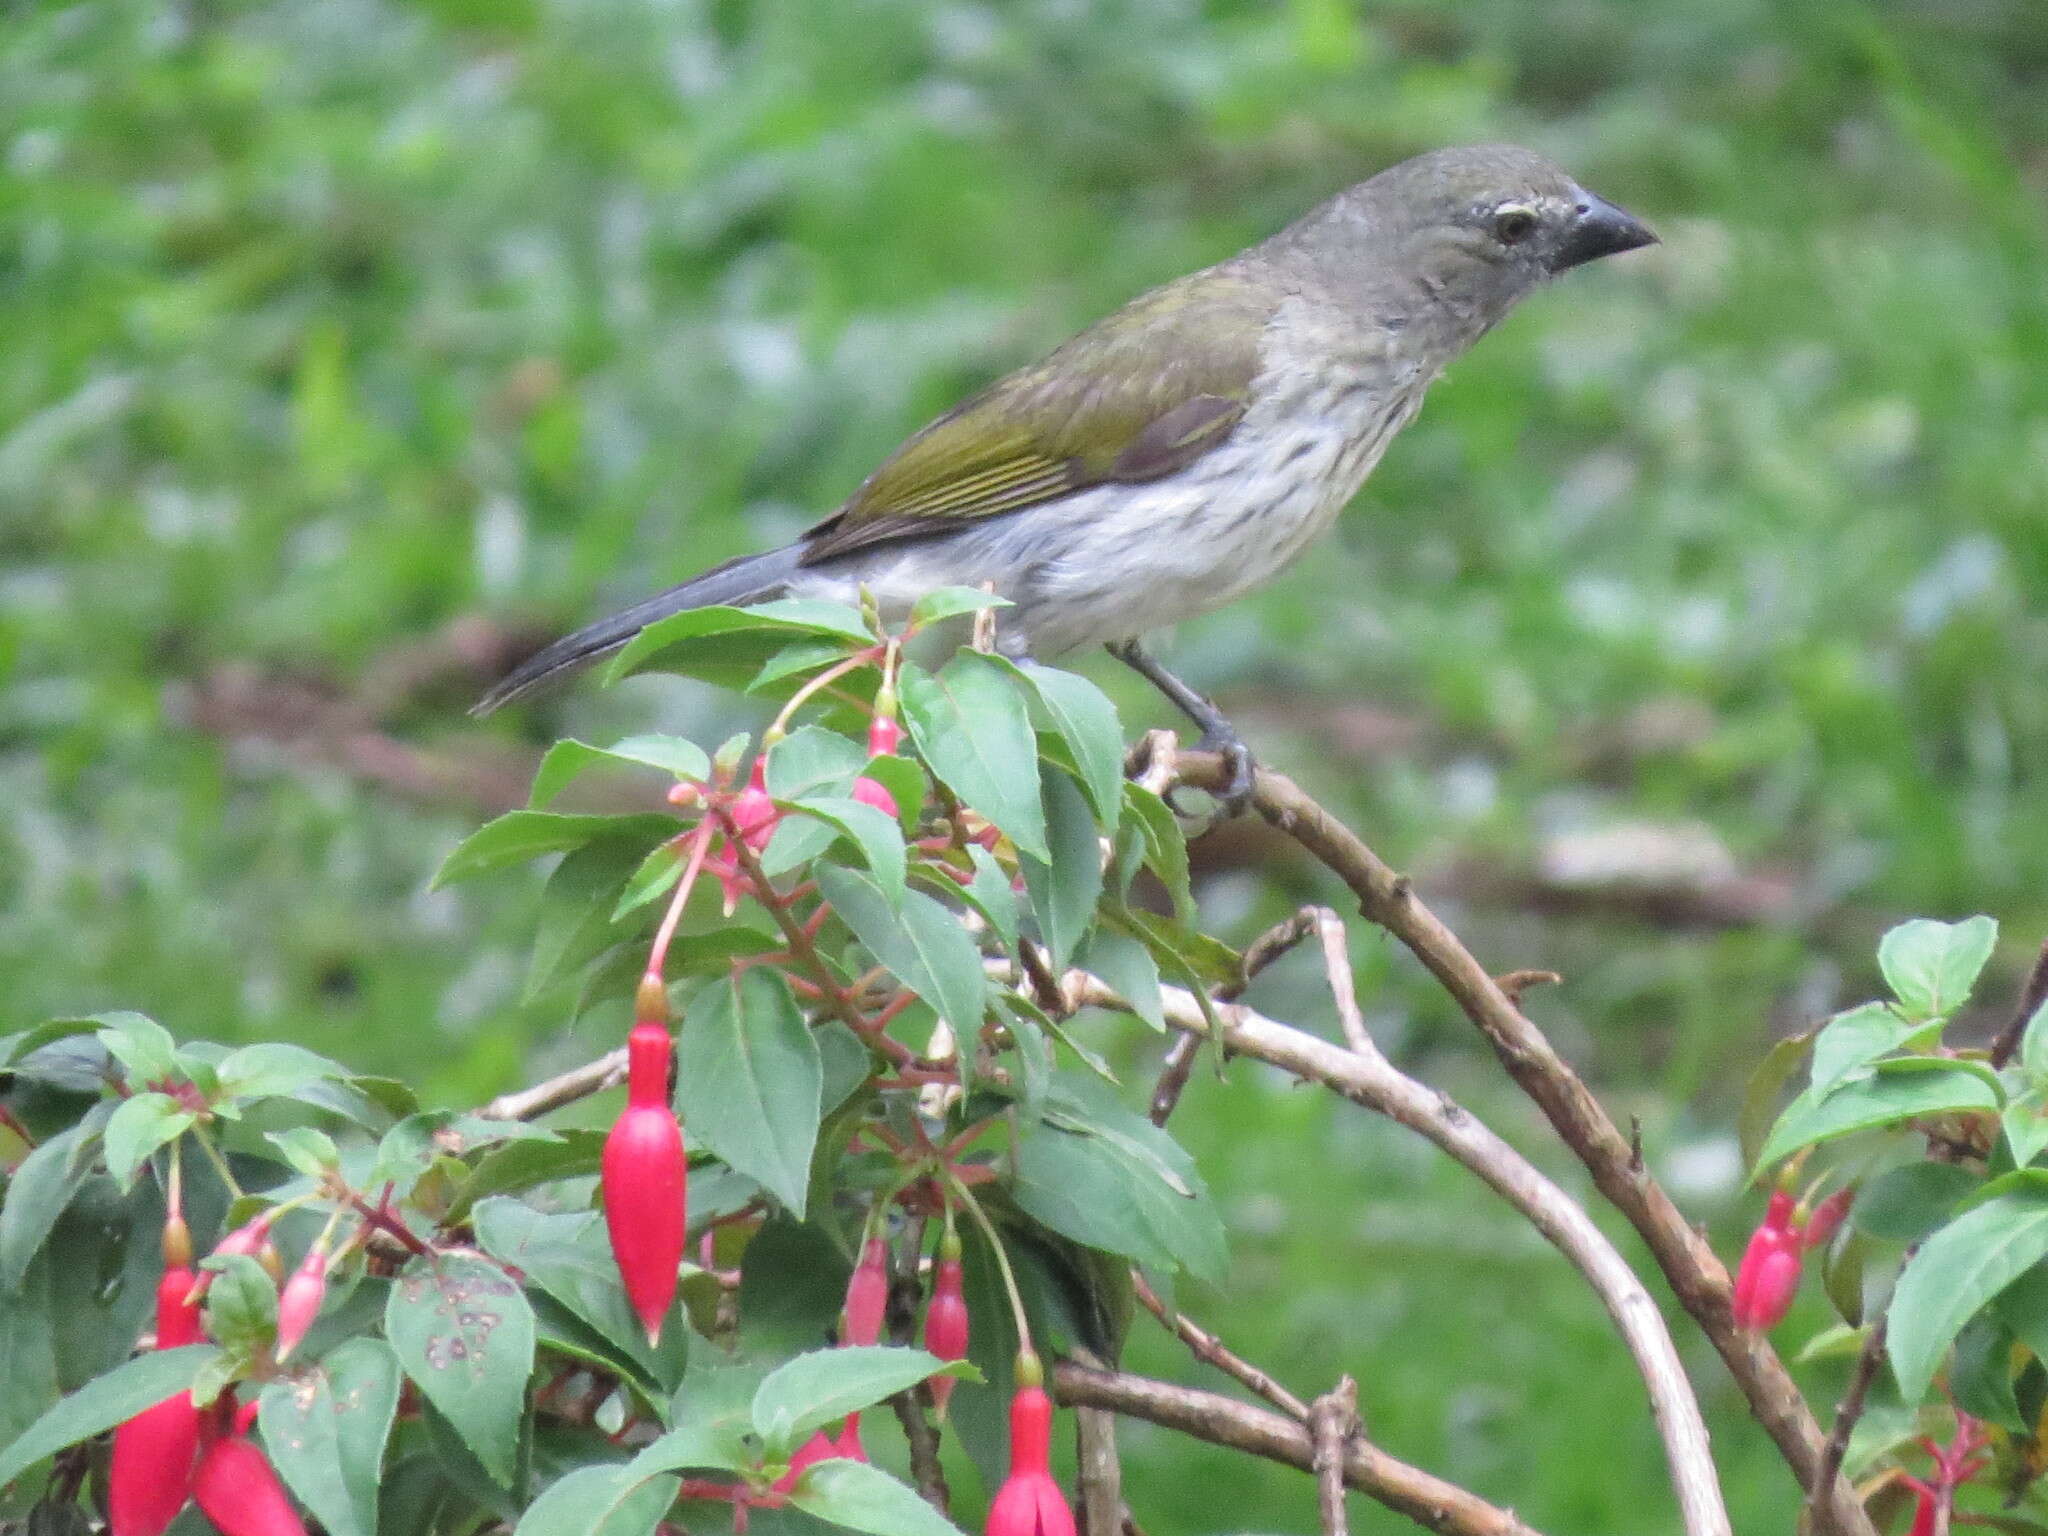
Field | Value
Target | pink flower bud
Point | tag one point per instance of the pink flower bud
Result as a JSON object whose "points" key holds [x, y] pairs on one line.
{"points": [[1030, 1503], [869, 792], [867, 1295], [151, 1474], [1768, 1277], [250, 1238], [1827, 1217], [754, 818], [849, 1446], [945, 1318], [645, 1179], [884, 735], [240, 1493], [300, 1301], [820, 1447]]}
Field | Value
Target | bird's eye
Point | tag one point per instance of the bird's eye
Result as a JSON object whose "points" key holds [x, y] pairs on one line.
{"points": [[1514, 224]]}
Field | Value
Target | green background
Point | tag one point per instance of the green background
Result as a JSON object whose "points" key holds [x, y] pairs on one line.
{"points": [[1688, 638]]}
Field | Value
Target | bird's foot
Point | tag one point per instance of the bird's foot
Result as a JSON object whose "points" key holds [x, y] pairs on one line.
{"points": [[1240, 768]]}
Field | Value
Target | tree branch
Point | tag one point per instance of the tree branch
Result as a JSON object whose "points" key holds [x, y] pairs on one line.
{"points": [[1209, 1416], [1689, 1265], [607, 1071], [1206, 1347], [1332, 1423]]}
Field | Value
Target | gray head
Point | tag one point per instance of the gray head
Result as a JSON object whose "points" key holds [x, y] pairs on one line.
{"points": [[1471, 230]]}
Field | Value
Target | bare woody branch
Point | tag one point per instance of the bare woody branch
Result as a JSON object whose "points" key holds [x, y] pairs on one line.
{"points": [[1366, 1078], [1429, 1501], [1689, 1265]]}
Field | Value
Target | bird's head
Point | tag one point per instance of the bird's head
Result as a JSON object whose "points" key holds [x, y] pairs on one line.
{"points": [[1470, 229]]}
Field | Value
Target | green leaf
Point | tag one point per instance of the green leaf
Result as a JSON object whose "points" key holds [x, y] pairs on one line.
{"points": [[1931, 966], [1065, 887], [924, 945], [993, 895], [2023, 1307], [2025, 1122], [654, 877], [568, 1255], [325, 1427], [274, 1068], [1129, 970], [1165, 850], [1113, 1192], [905, 781], [815, 1389], [141, 1045], [519, 836], [309, 1152], [103, 1402], [139, 1126], [1982, 1378], [1895, 1091], [576, 917], [1086, 720], [749, 1081], [568, 758], [972, 729], [1760, 1096], [2034, 1046], [46, 1182], [523, 1165], [865, 1498], [28, 1348], [873, 833], [729, 646], [812, 760], [1855, 1039], [600, 1501], [1904, 1204], [17, 1048], [1958, 1271], [464, 1333], [711, 1422], [944, 603], [796, 658]]}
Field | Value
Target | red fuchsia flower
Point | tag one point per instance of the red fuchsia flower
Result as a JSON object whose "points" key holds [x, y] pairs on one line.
{"points": [[1828, 1216], [645, 1180], [849, 1447], [151, 1475], [754, 818], [945, 1316], [867, 1295], [823, 1447], [1768, 1277], [884, 735], [238, 1490], [1030, 1503], [870, 792], [299, 1303]]}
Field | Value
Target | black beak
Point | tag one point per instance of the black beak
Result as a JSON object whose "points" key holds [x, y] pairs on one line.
{"points": [[1598, 228]]}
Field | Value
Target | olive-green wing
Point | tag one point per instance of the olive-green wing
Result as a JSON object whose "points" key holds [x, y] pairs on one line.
{"points": [[1142, 394]]}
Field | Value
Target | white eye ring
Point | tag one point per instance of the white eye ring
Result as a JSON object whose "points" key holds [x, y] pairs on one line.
{"points": [[1513, 223]]}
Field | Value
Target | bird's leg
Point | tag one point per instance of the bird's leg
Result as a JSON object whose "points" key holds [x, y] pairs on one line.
{"points": [[1218, 734]]}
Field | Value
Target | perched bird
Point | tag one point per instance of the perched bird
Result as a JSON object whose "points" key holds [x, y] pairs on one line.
{"points": [[1183, 451]]}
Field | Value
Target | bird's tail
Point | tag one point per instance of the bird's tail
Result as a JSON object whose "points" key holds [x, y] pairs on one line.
{"points": [[749, 579]]}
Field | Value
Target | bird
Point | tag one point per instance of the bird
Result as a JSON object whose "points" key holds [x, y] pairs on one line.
{"points": [[1187, 448]]}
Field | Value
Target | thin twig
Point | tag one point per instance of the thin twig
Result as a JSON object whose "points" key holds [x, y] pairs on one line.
{"points": [[1689, 1265], [1337, 970], [1369, 1080], [607, 1071], [1854, 1399], [1205, 1346], [1210, 1416], [1332, 1421], [1179, 1064], [2032, 995]]}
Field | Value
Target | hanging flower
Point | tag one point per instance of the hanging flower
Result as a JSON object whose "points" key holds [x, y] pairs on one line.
{"points": [[150, 1477], [945, 1316], [1030, 1503], [867, 1295], [238, 1490], [1827, 1217], [645, 1178]]}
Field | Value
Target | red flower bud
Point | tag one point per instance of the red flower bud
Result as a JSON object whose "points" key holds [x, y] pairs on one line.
{"points": [[250, 1238], [151, 1474], [240, 1493], [646, 1181], [300, 1301], [869, 792], [945, 1317], [754, 818], [1827, 1217], [883, 736], [1768, 1277], [867, 1295], [849, 1446], [820, 1447], [1030, 1503]]}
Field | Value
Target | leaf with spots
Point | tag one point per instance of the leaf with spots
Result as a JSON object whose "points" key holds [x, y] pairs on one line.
{"points": [[325, 1428], [464, 1333]]}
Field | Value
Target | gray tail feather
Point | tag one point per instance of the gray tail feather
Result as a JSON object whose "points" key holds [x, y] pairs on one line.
{"points": [[749, 579]]}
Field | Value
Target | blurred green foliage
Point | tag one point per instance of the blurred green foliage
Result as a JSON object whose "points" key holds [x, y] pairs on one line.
{"points": [[330, 321]]}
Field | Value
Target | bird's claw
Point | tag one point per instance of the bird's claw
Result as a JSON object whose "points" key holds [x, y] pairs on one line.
{"points": [[1241, 772]]}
